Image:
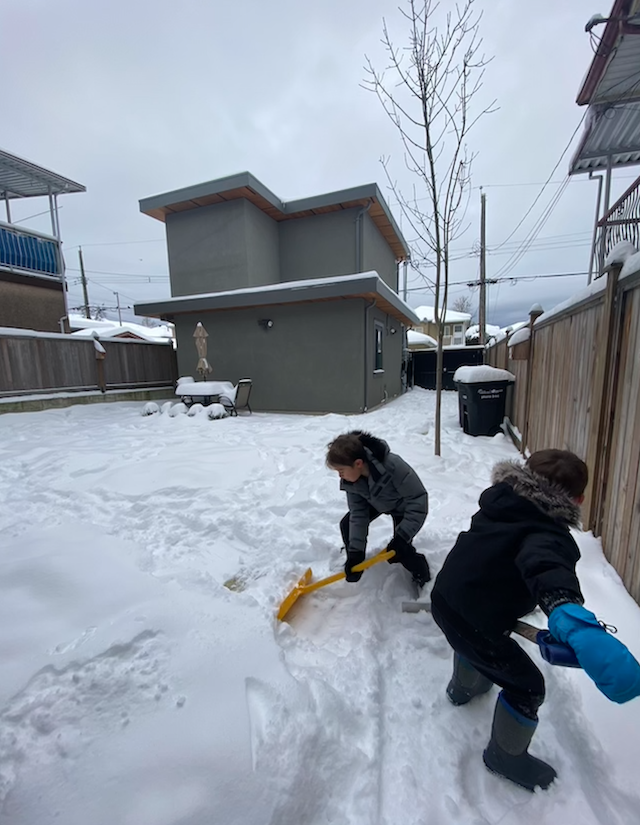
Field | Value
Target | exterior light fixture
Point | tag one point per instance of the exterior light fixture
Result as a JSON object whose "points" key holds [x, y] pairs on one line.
{"points": [[267, 323]]}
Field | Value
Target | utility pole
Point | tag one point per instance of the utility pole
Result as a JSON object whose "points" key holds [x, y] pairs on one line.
{"points": [[119, 313], [482, 313], [87, 312]]}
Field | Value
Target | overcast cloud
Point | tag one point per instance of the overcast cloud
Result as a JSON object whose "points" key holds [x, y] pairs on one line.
{"points": [[137, 98]]}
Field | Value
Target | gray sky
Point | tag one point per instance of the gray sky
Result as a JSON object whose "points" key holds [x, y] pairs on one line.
{"points": [[137, 98]]}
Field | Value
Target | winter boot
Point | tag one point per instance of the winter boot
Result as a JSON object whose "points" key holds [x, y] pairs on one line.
{"points": [[506, 753], [466, 682]]}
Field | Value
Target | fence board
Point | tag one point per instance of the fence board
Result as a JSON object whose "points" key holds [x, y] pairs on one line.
{"points": [[42, 363]]}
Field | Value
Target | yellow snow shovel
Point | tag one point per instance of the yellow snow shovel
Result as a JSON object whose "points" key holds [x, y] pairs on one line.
{"points": [[305, 586]]}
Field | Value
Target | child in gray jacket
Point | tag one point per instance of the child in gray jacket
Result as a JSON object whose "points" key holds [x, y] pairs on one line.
{"points": [[377, 481]]}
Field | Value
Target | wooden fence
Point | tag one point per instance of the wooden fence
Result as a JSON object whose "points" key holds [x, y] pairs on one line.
{"points": [[33, 363], [578, 388]]}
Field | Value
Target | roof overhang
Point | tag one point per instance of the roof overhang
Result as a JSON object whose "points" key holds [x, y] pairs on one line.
{"points": [[366, 285], [244, 185], [20, 178], [611, 138], [611, 89]]}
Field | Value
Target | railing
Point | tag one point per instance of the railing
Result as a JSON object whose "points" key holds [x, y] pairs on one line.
{"points": [[621, 223], [22, 250]]}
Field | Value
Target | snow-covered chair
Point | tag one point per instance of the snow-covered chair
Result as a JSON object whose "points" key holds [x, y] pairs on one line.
{"points": [[240, 399]]}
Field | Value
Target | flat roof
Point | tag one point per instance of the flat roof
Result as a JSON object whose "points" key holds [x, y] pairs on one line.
{"points": [[20, 178], [245, 185], [362, 285], [611, 132]]}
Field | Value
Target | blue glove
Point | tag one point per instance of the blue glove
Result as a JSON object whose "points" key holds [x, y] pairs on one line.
{"points": [[603, 658]]}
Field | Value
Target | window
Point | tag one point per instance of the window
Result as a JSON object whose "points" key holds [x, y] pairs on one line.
{"points": [[379, 334], [457, 334]]}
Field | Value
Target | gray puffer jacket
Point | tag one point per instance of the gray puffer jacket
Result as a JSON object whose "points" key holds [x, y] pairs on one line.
{"points": [[392, 487]]}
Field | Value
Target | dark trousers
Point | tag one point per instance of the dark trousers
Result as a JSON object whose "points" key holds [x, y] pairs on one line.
{"points": [[413, 561], [501, 660]]}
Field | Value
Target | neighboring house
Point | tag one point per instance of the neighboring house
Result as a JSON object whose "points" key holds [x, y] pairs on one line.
{"points": [[91, 328], [32, 285], [455, 325], [301, 297]]}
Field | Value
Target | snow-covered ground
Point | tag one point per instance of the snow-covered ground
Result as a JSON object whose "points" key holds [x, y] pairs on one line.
{"points": [[137, 689]]}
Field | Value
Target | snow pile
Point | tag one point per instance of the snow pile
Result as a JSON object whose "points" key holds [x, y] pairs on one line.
{"points": [[146, 682], [481, 374], [519, 337], [415, 338], [620, 254], [491, 331]]}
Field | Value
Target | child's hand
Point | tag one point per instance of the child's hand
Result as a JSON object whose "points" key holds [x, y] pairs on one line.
{"points": [[607, 661]]}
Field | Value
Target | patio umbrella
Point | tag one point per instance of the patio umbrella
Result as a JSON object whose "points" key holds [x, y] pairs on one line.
{"points": [[201, 335]]}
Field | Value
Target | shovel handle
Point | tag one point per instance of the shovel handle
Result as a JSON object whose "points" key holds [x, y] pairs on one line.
{"points": [[357, 568]]}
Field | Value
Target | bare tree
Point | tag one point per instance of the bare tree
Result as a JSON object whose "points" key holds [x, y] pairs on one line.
{"points": [[462, 304], [428, 97]]}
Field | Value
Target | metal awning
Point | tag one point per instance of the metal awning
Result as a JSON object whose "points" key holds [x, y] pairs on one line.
{"points": [[20, 178], [611, 137]]}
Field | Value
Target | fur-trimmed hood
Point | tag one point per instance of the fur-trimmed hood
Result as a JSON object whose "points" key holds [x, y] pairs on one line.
{"points": [[550, 498]]}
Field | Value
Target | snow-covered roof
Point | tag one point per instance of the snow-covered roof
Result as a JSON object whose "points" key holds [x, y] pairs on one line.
{"points": [[426, 314], [416, 338], [289, 292], [87, 327]]}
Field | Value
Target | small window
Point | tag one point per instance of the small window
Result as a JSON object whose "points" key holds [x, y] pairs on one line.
{"points": [[457, 334], [379, 337]]}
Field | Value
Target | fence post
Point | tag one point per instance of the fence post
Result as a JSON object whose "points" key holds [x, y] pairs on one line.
{"points": [[534, 313], [602, 402]]}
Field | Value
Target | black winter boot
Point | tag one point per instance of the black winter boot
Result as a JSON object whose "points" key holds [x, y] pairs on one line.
{"points": [[507, 753], [466, 683]]}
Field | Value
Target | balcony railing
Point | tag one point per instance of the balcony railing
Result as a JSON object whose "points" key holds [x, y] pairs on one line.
{"points": [[24, 251], [621, 223]]}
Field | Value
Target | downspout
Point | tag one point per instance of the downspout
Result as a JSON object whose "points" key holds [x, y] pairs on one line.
{"points": [[366, 352], [360, 233], [594, 240]]}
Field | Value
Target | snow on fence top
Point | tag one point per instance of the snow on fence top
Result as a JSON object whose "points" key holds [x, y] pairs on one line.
{"points": [[521, 335], [620, 253], [481, 375]]}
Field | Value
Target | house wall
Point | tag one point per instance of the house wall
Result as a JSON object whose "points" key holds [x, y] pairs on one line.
{"points": [[31, 303], [224, 246], [377, 255], [318, 246], [449, 339], [310, 360], [385, 385]]}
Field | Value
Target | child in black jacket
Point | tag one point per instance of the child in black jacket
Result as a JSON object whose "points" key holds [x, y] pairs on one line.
{"points": [[517, 554]]}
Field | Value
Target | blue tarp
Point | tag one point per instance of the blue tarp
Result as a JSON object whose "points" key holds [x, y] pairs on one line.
{"points": [[23, 251]]}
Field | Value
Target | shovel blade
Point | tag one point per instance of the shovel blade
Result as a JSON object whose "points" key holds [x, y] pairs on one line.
{"points": [[295, 594]]}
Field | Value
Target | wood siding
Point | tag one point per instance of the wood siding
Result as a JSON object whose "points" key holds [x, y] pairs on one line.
{"points": [[580, 390]]}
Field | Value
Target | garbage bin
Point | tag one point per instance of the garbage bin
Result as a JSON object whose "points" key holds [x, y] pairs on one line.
{"points": [[482, 398]]}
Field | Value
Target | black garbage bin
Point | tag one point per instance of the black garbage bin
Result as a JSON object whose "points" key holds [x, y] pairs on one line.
{"points": [[482, 398]]}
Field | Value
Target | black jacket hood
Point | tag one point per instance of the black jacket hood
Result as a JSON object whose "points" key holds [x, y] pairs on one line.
{"points": [[378, 448], [548, 497]]}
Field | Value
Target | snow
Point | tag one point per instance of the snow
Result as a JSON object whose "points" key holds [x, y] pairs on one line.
{"points": [[520, 336], [427, 313], [138, 689], [631, 266], [620, 253], [420, 339], [88, 327], [482, 374], [491, 331], [199, 389]]}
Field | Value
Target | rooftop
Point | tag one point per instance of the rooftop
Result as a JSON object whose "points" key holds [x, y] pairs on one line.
{"points": [[245, 185], [20, 178], [426, 315], [362, 285]]}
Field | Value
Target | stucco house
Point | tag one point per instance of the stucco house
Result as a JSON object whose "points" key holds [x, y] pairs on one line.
{"points": [[455, 325], [299, 296]]}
